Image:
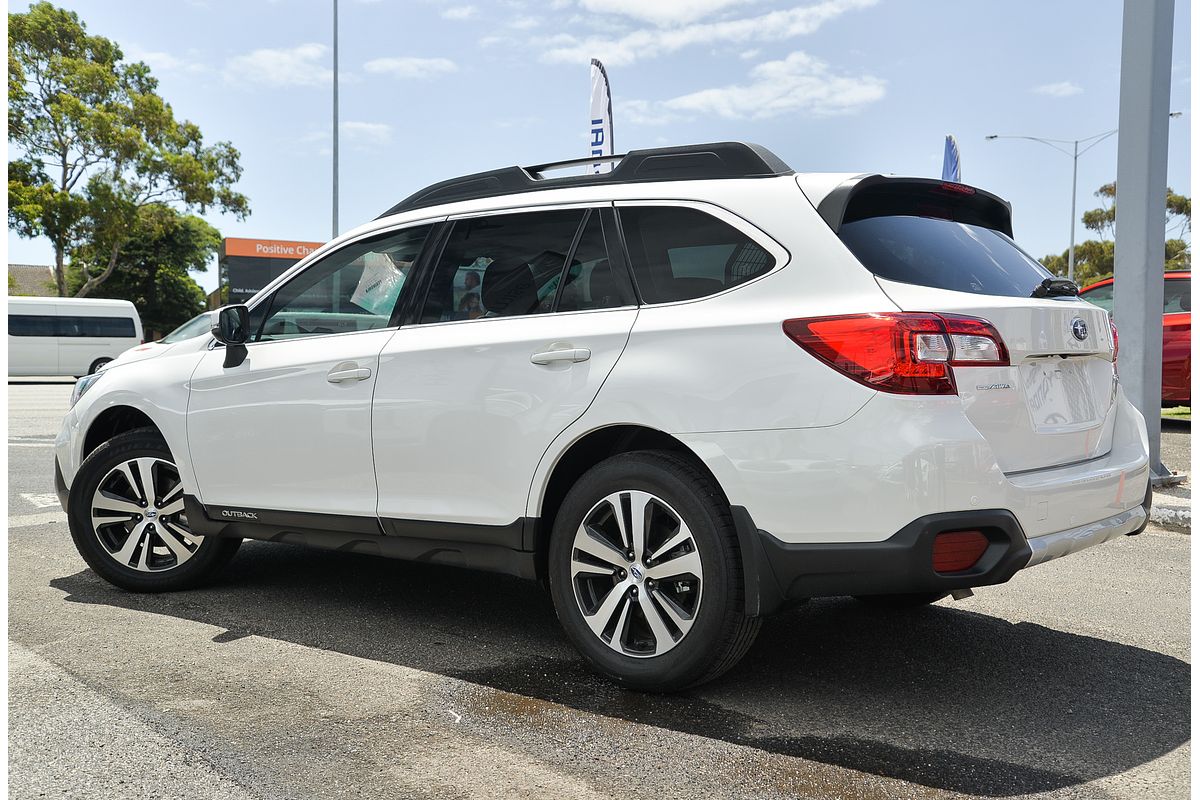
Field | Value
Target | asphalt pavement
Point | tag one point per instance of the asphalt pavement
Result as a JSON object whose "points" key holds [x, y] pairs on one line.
{"points": [[312, 674]]}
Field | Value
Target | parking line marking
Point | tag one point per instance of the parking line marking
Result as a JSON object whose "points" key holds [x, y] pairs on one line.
{"points": [[42, 500], [31, 520]]}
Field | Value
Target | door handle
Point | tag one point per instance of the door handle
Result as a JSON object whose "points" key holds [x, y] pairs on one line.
{"points": [[346, 372], [572, 354]]}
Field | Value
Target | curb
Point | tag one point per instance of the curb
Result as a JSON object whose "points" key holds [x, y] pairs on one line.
{"points": [[1172, 515]]}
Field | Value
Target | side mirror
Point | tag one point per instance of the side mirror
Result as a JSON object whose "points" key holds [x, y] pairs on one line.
{"points": [[233, 331]]}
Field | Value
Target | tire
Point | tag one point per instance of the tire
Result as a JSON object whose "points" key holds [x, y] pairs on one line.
{"points": [[165, 556], [97, 364], [694, 589], [901, 601]]}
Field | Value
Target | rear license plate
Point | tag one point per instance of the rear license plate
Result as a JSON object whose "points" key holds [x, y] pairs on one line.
{"points": [[1059, 393]]}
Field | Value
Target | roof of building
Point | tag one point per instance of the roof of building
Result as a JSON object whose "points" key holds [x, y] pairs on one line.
{"points": [[31, 280]]}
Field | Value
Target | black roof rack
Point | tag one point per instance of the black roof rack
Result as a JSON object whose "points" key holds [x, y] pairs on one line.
{"points": [[686, 162]]}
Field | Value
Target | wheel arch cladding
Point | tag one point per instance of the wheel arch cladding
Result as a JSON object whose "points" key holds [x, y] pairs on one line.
{"points": [[112, 422], [588, 451]]}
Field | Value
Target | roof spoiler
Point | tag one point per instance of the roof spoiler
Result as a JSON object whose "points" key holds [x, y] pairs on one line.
{"points": [[881, 195]]}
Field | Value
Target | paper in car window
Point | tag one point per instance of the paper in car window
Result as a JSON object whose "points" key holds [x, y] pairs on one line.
{"points": [[379, 285]]}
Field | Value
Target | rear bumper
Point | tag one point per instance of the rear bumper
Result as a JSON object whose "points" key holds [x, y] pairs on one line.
{"points": [[780, 573]]}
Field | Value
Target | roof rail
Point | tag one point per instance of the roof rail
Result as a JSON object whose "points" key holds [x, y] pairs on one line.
{"points": [[686, 162]]}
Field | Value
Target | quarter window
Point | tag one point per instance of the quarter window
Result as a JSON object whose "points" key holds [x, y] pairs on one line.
{"points": [[683, 253], [353, 289], [501, 266], [1177, 295]]}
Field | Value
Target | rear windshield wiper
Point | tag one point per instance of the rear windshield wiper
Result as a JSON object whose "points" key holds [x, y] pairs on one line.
{"points": [[1056, 287]]}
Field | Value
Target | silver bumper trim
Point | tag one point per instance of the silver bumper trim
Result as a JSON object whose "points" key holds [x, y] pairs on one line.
{"points": [[1064, 543]]}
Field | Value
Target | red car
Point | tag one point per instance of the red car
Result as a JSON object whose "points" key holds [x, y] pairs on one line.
{"points": [[1177, 332]]}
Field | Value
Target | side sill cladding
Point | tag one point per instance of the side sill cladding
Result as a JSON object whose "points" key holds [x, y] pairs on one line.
{"points": [[481, 547]]}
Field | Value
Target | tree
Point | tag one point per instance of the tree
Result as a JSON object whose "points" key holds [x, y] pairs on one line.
{"points": [[1094, 258], [155, 264], [97, 144]]}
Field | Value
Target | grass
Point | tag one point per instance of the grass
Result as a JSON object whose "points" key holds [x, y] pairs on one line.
{"points": [[1179, 412]]}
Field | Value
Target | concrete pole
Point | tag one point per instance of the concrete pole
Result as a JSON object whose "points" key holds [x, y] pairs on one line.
{"points": [[335, 120], [1074, 187], [1141, 207]]}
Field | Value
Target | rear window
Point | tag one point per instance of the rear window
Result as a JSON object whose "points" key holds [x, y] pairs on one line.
{"points": [[943, 254]]}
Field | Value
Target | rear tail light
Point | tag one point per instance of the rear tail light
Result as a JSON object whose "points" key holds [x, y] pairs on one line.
{"points": [[900, 352], [958, 550]]}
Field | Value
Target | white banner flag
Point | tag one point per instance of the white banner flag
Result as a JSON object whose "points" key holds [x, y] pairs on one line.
{"points": [[601, 127]]}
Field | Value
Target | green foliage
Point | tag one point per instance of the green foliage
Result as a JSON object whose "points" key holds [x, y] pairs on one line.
{"points": [[1094, 258], [97, 144], [154, 270]]}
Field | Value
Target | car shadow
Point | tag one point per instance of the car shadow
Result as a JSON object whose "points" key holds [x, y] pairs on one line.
{"points": [[941, 697]]}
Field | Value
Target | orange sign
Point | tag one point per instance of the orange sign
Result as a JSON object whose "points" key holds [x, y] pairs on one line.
{"points": [[268, 248]]}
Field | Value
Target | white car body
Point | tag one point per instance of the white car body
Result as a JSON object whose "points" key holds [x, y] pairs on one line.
{"points": [[76, 345], [454, 435]]}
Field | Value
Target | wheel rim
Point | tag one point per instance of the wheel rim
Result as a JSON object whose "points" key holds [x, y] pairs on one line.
{"points": [[636, 574], [138, 516]]}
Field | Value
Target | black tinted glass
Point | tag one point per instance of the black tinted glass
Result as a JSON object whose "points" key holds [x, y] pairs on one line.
{"points": [[1177, 295], [590, 282], [1101, 296], [682, 253], [943, 254], [31, 325], [45, 325], [501, 266]]}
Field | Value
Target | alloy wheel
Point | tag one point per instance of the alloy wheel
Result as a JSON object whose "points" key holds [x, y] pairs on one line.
{"points": [[138, 516], [636, 574]]}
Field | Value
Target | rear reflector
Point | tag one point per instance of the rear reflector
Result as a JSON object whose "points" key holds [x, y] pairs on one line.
{"points": [[957, 550], [900, 352]]}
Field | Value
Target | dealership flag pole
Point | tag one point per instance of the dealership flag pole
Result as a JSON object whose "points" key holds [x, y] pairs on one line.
{"points": [[601, 126], [950, 166], [335, 119]]}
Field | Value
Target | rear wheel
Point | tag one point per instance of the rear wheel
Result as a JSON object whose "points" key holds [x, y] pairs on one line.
{"points": [[97, 364], [128, 522], [900, 601], [645, 573]]}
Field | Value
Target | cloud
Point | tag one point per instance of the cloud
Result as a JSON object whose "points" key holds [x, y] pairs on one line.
{"points": [[303, 65], [798, 83], [410, 67], [649, 43], [660, 12], [525, 23], [367, 132], [1060, 89], [459, 12], [163, 62]]}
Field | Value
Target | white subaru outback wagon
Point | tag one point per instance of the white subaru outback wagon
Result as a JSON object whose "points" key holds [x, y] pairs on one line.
{"points": [[685, 393]]}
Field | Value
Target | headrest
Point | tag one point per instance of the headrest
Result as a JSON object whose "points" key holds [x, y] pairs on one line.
{"points": [[508, 289]]}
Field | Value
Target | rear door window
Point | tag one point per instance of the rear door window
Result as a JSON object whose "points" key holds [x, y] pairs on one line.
{"points": [[943, 254], [684, 253], [1101, 296], [504, 265]]}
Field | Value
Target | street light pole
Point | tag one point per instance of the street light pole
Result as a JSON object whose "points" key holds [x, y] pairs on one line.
{"points": [[335, 119], [1074, 153]]}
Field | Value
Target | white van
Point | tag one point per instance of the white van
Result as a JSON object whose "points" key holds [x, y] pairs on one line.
{"points": [[68, 336]]}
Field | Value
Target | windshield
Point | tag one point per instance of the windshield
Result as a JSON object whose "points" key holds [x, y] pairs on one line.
{"points": [[943, 254], [194, 327]]}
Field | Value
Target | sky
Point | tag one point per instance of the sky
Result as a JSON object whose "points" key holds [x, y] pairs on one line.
{"points": [[430, 90]]}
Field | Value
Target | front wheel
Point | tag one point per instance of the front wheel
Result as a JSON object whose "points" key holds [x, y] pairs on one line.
{"points": [[645, 573], [127, 518]]}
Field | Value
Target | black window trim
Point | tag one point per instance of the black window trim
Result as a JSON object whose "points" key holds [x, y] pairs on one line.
{"points": [[59, 322], [774, 248]]}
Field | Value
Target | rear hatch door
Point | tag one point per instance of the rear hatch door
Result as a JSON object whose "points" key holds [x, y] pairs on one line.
{"points": [[947, 248]]}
